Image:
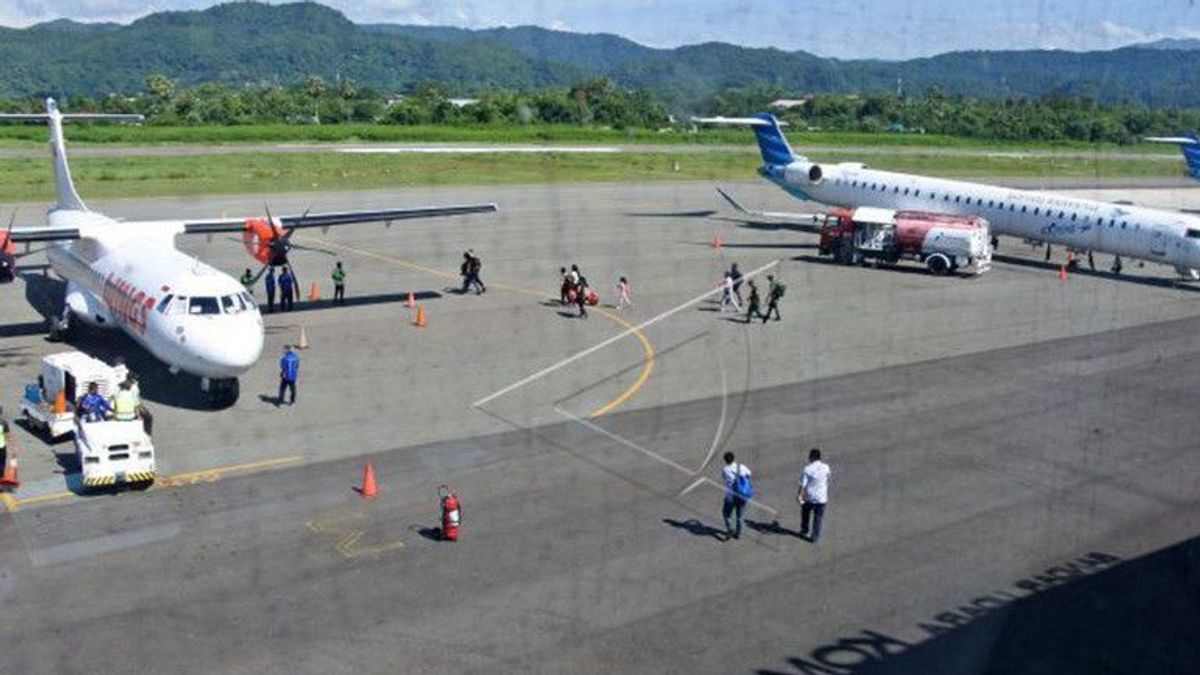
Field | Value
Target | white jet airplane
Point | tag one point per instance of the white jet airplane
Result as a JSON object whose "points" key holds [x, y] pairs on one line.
{"points": [[1165, 237], [129, 275]]}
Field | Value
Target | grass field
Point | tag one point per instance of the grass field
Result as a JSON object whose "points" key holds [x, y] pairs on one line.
{"points": [[103, 134], [29, 180]]}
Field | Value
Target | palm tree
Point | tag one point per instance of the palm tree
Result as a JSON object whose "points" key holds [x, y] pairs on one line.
{"points": [[315, 88]]}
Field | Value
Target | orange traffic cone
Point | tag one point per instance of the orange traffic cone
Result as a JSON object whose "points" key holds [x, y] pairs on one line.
{"points": [[420, 320], [314, 292], [303, 343], [368, 490], [9, 479], [716, 242], [60, 402], [1062, 273], [412, 300]]}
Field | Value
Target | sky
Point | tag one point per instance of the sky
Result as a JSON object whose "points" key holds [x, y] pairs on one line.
{"points": [[849, 29]]}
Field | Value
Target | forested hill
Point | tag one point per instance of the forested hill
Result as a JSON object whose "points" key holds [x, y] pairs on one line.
{"points": [[252, 43]]}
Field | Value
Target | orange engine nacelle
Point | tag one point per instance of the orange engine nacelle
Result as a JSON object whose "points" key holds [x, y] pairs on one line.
{"points": [[257, 237]]}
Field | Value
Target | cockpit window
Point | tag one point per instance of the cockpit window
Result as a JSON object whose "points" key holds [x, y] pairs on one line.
{"points": [[204, 306], [248, 300], [179, 305], [1193, 233], [162, 304]]}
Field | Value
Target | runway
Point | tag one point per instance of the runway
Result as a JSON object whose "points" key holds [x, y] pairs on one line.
{"points": [[983, 433]]}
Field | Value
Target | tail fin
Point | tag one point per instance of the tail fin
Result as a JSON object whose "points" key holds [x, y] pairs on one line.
{"points": [[771, 142], [1190, 145], [68, 198]]}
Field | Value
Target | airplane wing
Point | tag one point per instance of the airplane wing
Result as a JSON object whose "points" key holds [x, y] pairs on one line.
{"points": [[43, 234], [337, 218], [768, 215]]}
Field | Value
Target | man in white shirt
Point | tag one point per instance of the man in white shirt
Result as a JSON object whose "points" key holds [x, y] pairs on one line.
{"points": [[734, 503], [813, 494]]}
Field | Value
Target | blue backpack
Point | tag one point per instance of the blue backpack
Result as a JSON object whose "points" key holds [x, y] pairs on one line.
{"points": [[742, 487]]}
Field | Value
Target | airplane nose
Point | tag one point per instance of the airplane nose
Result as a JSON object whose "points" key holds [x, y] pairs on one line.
{"points": [[233, 350]]}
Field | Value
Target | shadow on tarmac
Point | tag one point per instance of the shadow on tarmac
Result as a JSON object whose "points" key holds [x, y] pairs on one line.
{"points": [[1094, 615], [694, 527]]}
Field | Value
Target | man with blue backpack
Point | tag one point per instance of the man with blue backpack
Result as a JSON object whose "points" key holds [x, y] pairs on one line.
{"points": [[738, 491]]}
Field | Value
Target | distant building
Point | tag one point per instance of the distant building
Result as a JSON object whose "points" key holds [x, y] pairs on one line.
{"points": [[789, 103]]}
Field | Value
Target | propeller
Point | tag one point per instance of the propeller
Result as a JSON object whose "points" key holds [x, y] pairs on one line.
{"points": [[280, 246]]}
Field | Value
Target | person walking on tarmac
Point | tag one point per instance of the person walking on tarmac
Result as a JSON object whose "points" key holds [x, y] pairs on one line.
{"points": [[752, 304], [287, 290], [248, 281], [339, 284], [269, 282], [774, 294], [565, 286], [737, 491], [581, 291], [623, 299], [289, 372], [728, 297], [736, 274], [470, 273]]}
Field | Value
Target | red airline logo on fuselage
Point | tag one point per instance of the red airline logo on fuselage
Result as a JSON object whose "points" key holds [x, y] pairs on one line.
{"points": [[127, 303]]}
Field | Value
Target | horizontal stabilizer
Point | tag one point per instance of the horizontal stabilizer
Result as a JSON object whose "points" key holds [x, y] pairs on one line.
{"points": [[766, 215]]}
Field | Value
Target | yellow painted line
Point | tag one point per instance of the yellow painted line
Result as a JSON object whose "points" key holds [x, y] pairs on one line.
{"points": [[53, 496], [222, 470], [648, 368], [191, 478], [647, 347]]}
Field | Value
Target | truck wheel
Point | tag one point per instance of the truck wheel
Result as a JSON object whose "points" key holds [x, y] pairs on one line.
{"points": [[938, 264]]}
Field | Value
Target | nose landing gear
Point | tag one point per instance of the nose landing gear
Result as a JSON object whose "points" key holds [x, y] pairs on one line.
{"points": [[221, 392]]}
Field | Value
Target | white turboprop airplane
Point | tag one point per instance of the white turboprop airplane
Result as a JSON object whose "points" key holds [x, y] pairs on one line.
{"points": [[129, 275], [1165, 237]]}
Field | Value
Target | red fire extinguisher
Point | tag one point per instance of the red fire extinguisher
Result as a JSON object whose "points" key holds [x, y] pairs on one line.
{"points": [[451, 514]]}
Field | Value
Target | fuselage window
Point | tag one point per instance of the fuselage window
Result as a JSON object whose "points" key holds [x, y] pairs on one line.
{"points": [[957, 198], [1024, 207], [905, 191], [1123, 224], [1073, 217], [1036, 210], [1061, 214], [896, 190]]}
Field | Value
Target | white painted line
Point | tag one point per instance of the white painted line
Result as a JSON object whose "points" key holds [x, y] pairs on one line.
{"points": [[659, 458], [476, 150], [619, 336]]}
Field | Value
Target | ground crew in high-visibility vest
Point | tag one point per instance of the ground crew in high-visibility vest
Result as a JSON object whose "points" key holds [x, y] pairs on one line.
{"points": [[125, 404], [339, 283]]}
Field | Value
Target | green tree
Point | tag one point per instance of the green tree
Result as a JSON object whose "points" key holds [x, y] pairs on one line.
{"points": [[314, 87]]}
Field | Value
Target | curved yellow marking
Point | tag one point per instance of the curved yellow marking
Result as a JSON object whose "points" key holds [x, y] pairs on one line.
{"points": [[647, 348], [648, 368]]}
